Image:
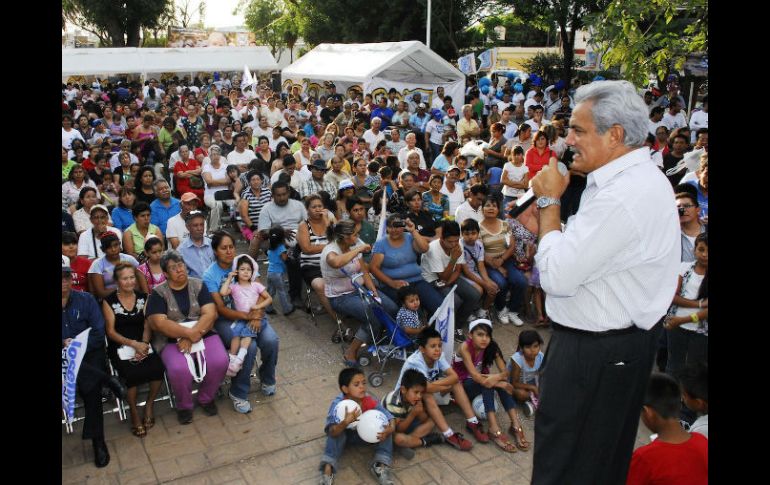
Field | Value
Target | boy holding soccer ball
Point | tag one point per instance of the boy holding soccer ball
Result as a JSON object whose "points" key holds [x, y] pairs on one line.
{"points": [[352, 383]]}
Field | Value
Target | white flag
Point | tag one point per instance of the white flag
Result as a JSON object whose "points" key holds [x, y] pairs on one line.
{"points": [[71, 357], [444, 319], [487, 58], [467, 64], [383, 214], [247, 80]]}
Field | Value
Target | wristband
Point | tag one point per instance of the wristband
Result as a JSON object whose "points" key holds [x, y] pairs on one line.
{"points": [[694, 318]]}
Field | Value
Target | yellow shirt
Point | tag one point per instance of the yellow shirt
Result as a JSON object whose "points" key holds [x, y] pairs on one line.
{"points": [[467, 127]]}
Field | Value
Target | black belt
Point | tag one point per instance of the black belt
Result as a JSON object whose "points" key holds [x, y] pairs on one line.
{"points": [[606, 333]]}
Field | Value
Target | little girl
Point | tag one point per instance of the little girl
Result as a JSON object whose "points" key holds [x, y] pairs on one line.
{"points": [[515, 178], [117, 132], [109, 189], [525, 370], [472, 362], [408, 316], [687, 319], [276, 269], [153, 248], [248, 295]]}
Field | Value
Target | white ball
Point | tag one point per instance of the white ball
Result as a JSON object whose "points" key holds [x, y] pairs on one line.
{"points": [[478, 406], [371, 424], [344, 406]]}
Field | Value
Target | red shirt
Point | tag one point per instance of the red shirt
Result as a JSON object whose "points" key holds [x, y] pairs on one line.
{"points": [[183, 185], [80, 268], [535, 162], [662, 463], [88, 165]]}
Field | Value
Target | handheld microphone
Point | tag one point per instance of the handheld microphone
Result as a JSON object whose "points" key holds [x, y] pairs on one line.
{"points": [[522, 203]]}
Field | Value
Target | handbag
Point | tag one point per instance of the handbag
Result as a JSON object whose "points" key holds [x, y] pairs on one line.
{"points": [[196, 356]]}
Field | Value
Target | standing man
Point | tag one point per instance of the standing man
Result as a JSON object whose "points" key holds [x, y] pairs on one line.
{"points": [[417, 123], [610, 278], [383, 112]]}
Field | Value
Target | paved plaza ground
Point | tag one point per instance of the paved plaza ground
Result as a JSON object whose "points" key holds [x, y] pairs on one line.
{"points": [[281, 441]]}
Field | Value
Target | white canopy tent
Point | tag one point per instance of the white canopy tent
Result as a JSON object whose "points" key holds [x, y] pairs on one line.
{"points": [[408, 67], [91, 62]]}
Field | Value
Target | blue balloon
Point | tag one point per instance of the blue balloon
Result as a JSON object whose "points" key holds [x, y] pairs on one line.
{"points": [[560, 85], [485, 89], [500, 93], [599, 78], [518, 88], [511, 76], [485, 81]]}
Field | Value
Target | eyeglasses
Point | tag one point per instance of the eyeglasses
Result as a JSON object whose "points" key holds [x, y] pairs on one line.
{"points": [[685, 206]]}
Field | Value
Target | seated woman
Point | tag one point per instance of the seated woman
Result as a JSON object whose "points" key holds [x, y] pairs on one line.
{"points": [[500, 261], [434, 202], [135, 235], [182, 299], [421, 218], [394, 262], [340, 260], [78, 179], [87, 242], [143, 185], [86, 200], [100, 278], [121, 215], [311, 237], [125, 326]]}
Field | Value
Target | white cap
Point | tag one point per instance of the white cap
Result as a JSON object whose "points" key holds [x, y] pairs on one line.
{"points": [[479, 322]]}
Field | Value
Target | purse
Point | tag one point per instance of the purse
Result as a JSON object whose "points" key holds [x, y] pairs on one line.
{"points": [[196, 356]]}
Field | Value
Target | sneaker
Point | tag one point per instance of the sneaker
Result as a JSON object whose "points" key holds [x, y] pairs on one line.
{"points": [[459, 442], [502, 316], [481, 313], [431, 439], [235, 365], [326, 479], [514, 318], [478, 432], [382, 473], [528, 408], [459, 335], [268, 390], [240, 405], [407, 453], [209, 408]]}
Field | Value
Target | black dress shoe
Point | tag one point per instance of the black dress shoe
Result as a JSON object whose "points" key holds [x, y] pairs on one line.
{"points": [[117, 387], [101, 454], [209, 408], [184, 416]]}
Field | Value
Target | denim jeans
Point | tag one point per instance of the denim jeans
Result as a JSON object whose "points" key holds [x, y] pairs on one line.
{"points": [[277, 289], [352, 305], [430, 299], [336, 445], [268, 347], [467, 300], [473, 389], [516, 283]]}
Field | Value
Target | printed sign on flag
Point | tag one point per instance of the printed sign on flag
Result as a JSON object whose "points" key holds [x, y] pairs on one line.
{"points": [[444, 319], [71, 357]]}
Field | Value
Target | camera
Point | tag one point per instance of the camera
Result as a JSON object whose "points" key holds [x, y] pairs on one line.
{"points": [[681, 211], [399, 224]]}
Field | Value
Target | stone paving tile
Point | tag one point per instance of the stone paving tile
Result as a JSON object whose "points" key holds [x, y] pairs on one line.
{"points": [[138, 476]]}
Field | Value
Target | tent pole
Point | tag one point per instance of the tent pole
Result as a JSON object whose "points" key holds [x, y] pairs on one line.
{"points": [[427, 28]]}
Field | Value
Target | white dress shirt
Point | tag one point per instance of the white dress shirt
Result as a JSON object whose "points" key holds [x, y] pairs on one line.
{"points": [[465, 211], [403, 154], [616, 265]]}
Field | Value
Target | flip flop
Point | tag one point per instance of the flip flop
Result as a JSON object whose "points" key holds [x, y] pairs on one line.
{"points": [[139, 431], [149, 422], [502, 442]]}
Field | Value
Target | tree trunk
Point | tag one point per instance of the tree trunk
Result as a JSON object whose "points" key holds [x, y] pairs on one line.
{"points": [[116, 33], [132, 33]]}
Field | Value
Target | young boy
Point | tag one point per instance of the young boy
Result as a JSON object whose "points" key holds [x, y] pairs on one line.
{"points": [[408, 316], [430, 363], [676, 457], [352, 383], [474, 269], [413, 425], [695, 394]]}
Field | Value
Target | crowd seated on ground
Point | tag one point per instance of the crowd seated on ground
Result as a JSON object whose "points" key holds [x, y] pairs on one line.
{"points": [[152, 213]]}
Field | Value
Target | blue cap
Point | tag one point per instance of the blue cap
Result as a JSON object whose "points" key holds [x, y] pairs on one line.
{"points": [[436, 113]]}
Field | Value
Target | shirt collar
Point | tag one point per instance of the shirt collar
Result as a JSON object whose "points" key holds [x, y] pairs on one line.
{"points": [[602, 175]]}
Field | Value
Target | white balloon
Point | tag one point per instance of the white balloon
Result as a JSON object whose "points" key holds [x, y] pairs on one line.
{"points": [[371, 424], [478, 406], [344, 406]]}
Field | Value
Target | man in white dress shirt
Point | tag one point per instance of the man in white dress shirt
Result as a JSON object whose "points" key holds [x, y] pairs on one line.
{"points": [[609, 277]]}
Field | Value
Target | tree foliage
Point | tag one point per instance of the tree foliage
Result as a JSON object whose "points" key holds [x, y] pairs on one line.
{"points": [[650, 36], [548, 65], [273, 23], [519, 32], [117, 23], [568, 15]]}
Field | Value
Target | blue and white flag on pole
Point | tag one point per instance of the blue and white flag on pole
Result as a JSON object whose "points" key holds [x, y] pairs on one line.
{"points": [[71, 357], [487, 59], [444, 319], [467, 64], [381, 233]]}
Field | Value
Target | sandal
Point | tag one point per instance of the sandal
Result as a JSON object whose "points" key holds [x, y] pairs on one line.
{"points": [[519, 439], [502, 442], [149, 422], [139, 431]]}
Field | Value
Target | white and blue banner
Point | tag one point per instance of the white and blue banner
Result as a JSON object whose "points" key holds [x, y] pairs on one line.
{"points": [[444, 319], [487, 58], [467, 64], [71, 357]]}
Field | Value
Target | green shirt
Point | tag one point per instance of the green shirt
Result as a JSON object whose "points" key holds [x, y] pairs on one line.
{"points": [[65, 170], [368, 235]]}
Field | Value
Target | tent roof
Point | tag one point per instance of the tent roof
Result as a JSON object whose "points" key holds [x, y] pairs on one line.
{"points": [[410, 61], [145, 60]]}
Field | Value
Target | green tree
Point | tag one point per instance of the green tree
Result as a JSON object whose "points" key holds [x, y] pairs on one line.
{"points": [[650, 36], [272, 21], [117, 23], [568, 15], [518, 32], [548, 65]]}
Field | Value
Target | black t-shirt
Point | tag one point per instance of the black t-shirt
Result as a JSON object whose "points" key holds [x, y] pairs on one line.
{"points": [[669, 162], [329, 114], [157, 305], [424, 223], [97, 178], [67, 223]]}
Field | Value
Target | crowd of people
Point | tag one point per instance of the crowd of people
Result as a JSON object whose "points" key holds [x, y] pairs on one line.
{"points": [[152, 174]]}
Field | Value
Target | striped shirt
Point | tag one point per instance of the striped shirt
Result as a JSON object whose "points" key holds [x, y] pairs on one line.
{"points": [[256, 203], [312, 260]]}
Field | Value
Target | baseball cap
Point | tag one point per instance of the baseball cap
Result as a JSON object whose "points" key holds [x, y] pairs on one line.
{"points": [[346, 184], [421, 105], [100, 207], [319, 164], [65, 264], [454, 167], [188, 196]]}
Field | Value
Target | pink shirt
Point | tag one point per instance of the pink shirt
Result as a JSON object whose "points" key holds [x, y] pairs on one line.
{"points": [[246, 297], [459, 366]]}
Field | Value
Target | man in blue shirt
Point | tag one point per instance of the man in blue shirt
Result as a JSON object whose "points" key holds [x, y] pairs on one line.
{"points": [[164, 207], [196, 247], [79, 312], [417, 123], [383, 112]]}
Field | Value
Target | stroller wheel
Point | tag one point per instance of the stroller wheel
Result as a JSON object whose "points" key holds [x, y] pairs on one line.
{"points": [[336, 337], [363, 361], [375, 379], [348, 336]]}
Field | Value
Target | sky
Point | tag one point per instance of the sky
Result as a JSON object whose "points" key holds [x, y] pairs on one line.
{"points": [[219, 14]]}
